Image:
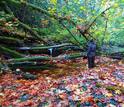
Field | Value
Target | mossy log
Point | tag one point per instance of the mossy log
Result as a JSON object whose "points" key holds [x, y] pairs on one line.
{"points": [[7, 33], [11, 41], [50, 50], [9, 52], [30, 66], [117, 55], [46, 58], [33, 58], [44, 47]]}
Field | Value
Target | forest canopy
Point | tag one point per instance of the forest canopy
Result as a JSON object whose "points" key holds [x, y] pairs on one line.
{"points": [[61, 19]]}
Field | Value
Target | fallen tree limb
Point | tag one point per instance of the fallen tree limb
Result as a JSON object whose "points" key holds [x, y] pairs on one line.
{"points": [[88, 27]]}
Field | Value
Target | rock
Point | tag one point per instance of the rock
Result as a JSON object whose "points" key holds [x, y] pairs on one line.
{"points": [[87, 104], [18, 72], [43, 104], [29, 76], [113, 101], [24, 97], [100, 104]]}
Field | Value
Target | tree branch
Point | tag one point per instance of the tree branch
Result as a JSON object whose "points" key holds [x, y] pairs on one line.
{"points": [[88, 27]]}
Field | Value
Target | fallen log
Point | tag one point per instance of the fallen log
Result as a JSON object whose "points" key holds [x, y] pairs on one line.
{"points": [[43, 47], [9, 52], [71, 56], [30, 66], [46, 58], [119, 55], [16, 35], [50, 50], [33, 58], [10, 41], [8, 33]]}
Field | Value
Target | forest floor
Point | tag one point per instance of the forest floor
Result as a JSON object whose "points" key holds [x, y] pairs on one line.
{"points": [[71, 84]]}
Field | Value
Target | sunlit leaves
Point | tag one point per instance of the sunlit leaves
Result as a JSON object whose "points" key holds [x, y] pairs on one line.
{"points": [[82, 8], [85, 11], [53, 2], [52, 10]]}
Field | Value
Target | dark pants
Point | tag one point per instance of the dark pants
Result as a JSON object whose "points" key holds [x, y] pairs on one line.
{"points": [[91, 63]]}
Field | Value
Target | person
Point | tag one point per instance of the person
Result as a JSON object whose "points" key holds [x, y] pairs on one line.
{"points": [[91, 52]]}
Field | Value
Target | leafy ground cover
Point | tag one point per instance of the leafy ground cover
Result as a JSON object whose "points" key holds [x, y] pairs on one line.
{"points": [[71, 84]]}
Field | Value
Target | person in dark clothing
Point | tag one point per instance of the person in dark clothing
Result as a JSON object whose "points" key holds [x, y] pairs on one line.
{"points": [[91, 52]]}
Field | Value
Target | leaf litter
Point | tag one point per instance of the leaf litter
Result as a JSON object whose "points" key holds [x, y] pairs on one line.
{"points": [[70, 84]]}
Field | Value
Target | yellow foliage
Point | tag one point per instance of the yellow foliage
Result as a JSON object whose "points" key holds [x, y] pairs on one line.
{"points": [[53, 2], [117, 91], [108, 95]]}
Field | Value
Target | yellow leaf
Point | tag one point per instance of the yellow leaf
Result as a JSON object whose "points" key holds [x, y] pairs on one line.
{"points": [[117, 91], [53, 1], [109, 94]]}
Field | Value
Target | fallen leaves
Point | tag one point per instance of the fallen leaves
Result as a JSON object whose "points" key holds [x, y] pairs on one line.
{"points": [[73, 84], [117, 92]]}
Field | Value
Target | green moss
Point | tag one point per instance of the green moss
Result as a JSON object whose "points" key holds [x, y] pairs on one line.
{"points": [[111, 88]]}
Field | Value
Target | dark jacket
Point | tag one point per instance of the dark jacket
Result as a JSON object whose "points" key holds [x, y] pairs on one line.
{"points": [[91, 52]]}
